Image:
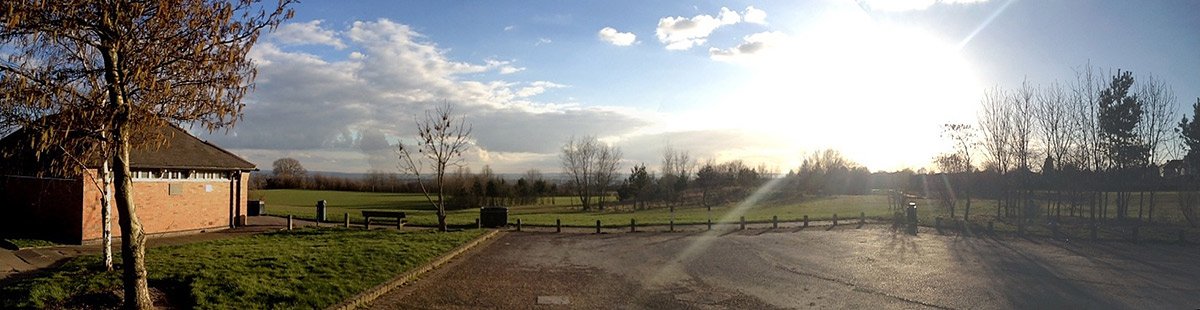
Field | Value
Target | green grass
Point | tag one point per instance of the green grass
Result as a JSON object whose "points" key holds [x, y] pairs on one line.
{"points": [[24, 243], [308, 268], [302, 204]]}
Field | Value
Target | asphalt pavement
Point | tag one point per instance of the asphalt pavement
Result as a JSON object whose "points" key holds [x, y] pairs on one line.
{"points": [[847, 267]]}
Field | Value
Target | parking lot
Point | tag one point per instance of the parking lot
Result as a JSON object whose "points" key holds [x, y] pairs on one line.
{"points": [[871, 267]]}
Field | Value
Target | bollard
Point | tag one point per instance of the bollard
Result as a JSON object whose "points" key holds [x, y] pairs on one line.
{"points": [[743, 223], [862, 218], [805, 220], [709, 224], [774, 221], [835, 219], [289, 222], [321, 207], [597, 226], [346, 218], [912, 218], [1134, 236], [672, 225], [632, 225], [478, 225], [518, 224], [557, 225]]}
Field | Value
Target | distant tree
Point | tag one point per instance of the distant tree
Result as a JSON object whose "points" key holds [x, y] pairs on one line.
{"points": [[996, 130], [637, 187], [442, 139], [591, 166], [127, 68], [288, 167], [1120, 113], [964, 139], [1189, 133]]}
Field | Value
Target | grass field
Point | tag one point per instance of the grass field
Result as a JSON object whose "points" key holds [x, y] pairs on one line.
{"points": [[307, 268], [301, 203]]}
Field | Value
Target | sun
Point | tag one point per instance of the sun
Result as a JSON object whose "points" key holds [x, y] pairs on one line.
{"points": [[876, 91]]}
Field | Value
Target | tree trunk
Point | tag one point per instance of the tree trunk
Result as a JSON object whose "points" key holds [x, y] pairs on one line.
{"points": [[106, 212], [133, 240]]}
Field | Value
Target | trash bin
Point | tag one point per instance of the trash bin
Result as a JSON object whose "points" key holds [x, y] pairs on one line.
{"points": [[320, 210], [912, 218], [493, 217], [256, 208]]}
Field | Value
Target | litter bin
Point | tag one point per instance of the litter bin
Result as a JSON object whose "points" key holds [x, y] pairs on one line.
{"points": [[256, 208], [912, 218], [493, 217], [320, 210]]}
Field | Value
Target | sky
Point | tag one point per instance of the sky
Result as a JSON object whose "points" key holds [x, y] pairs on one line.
{"points": [[766, 82]]}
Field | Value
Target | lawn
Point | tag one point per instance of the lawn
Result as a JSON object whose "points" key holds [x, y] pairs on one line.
{"points": [[308, 268], [301, 203]]}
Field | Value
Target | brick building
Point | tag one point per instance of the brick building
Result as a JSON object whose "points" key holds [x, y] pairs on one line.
{"points": [[183, 185]]}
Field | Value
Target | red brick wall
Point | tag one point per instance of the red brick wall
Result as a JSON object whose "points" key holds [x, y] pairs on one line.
{"points": [[193, 209], [41, 208]]}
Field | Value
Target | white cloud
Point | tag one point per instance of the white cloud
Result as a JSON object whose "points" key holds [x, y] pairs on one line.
{"points": [[541, 41], [307, 33], [754, 16], [910, 5], [611, 35], [752, 44], [681, 33], [345, 115], [509, 28]]}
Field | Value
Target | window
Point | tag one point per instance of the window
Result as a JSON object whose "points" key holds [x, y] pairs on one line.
{"points": [[169, 174]]}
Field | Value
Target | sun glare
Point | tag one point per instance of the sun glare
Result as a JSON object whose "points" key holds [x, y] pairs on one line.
{"points": [[870, 89]]}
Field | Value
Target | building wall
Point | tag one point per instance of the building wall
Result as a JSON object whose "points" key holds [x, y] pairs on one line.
{"points": [[41, 208], [197, 205]]}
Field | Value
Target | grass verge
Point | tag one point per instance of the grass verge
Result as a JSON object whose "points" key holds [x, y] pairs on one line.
{"points": [[25, 243], [308, 268]]}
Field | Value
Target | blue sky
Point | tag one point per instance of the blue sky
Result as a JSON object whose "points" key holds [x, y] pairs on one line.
{"points": [[765, 82]]}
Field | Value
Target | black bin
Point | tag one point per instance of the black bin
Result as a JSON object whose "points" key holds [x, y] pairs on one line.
{"points": [[493, 217], [256, 208], [320, 210]]}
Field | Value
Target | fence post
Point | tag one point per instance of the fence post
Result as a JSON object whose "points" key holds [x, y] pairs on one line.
{"points": [[743, 223], [806, 220], [347, 219], [289, 222], [709, 224], [518, 224], [774, 221], [862, 218], [632, 225], [478, 225], [557, 225], [597, 226], [672, 225], [835, 219]]}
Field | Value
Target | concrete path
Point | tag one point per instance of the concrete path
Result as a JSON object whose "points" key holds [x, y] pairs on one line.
{"points": [[868, 268]]}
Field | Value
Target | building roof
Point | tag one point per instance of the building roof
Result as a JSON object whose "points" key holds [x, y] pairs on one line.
{"points": [[177, 150]]}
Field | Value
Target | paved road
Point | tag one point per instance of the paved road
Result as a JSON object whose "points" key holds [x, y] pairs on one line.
{"points": [[785, 268]]}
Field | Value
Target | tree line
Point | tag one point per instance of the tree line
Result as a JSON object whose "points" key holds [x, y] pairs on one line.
{"points": [[1049, 148]]}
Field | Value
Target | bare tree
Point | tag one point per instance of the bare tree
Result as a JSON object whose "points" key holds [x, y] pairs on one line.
{"points": [[128, 67], [996, 130], [1158, 116], [442, 139], [1084, 98], [1053, 119], [1021, 105], [591, 166], [964, 139]]}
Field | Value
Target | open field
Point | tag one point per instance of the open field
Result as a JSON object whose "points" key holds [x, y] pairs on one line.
{"points": [[306, 268], [845, 268]]}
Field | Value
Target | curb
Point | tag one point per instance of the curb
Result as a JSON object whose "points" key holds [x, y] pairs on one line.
{"points": [[374, 292]]}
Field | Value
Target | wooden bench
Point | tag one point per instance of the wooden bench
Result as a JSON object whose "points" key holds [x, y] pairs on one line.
{"points": [[398, 215]]}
